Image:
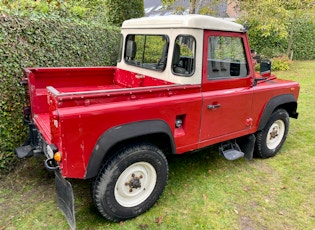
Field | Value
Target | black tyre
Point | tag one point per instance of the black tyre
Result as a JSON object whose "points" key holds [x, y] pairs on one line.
{"points": [[270, 140], [131, 182]]}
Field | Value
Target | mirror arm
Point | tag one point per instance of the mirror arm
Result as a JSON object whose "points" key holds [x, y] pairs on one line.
{"points": [[256, 80]]}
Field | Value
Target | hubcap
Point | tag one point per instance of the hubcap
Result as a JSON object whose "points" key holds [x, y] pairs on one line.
{"points": [[135, 184], [275, 134]]}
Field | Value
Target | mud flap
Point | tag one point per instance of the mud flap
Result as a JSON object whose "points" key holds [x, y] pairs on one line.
{"points": [[247, 145], [65, 199]]}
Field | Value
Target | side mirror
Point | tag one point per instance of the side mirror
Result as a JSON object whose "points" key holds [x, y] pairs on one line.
{"points": [[265, 68]]}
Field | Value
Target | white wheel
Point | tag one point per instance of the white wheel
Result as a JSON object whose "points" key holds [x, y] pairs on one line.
{"points": [[271, 138], [131, 182], [135, 184], [275, 134]]}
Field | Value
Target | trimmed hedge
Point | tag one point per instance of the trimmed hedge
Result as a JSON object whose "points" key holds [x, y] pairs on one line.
{"points": [[303, 46], [42, 42], [304, 42]]}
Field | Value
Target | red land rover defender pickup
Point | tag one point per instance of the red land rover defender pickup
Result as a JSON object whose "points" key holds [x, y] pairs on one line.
{"points": [[182, 83]]}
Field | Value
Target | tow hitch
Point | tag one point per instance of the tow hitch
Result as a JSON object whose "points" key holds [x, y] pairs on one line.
{"points": [[50, 165]]}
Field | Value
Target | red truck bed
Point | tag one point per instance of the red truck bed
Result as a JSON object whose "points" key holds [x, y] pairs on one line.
{"points": [[82, 82]]}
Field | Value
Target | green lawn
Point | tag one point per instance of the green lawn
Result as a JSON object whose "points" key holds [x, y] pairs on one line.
{"points": [[204, 190]]}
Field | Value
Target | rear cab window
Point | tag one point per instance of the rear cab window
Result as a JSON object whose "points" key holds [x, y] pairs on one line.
{"points": [[184, 55], [147, 51]]}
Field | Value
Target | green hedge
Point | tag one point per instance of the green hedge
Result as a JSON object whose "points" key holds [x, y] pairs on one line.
{"points": [[304, 39], [39, 42], [303, 46]]}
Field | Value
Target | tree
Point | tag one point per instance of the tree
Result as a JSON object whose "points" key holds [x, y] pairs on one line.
{"points": [[296, 7], [274, 17], [86, 9], [205, 7], [81, 9], [27, 7], [270, 21], [118, 11]]}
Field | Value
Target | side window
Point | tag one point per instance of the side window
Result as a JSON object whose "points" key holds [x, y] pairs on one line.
{"points": [[147, 51], [183, 63], [121, 45], [226, 58]]}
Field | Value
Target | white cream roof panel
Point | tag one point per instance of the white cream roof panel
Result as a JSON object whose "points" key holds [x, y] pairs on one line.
{"points": [[183, 21]]}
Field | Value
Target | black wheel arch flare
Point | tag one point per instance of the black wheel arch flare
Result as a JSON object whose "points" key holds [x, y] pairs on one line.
{"points": [[120, 133], [285, 101]]}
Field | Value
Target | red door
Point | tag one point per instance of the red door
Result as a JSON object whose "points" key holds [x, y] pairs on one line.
{"points": [[227, 85]]}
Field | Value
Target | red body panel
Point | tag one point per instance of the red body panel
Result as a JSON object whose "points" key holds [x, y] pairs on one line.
{"points": [[73, 107], [74, 117]]}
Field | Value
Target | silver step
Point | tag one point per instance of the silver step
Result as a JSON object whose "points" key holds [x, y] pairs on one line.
{"points": [[232, 154], [231, 150]]}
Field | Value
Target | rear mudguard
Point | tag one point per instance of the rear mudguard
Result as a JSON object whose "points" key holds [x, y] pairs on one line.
{"points": [[65, 198], [121, 133]]}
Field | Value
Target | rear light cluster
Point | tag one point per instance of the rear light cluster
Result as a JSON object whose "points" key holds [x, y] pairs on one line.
{"points": [[53, 152]]}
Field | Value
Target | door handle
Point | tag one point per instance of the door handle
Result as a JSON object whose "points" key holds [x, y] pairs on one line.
{"points": [[213, 107]]}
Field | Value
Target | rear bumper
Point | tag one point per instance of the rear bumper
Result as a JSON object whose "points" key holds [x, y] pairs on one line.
{"points": [[34, 145], [24, 151]]}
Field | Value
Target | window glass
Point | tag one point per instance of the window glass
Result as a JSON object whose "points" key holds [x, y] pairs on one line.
{"points": [[120, 48], [147, 51], [226, 58], [183, 62]]}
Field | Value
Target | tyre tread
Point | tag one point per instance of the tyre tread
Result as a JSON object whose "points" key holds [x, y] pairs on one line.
{"points": [[261, 149], [104, 173]]}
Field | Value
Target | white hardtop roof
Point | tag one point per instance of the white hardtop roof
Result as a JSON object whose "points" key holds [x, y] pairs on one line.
{"points": [[183, 21]]}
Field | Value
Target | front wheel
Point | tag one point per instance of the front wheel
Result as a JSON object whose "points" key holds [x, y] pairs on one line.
{"points": [[271, 138], [131, 182]]}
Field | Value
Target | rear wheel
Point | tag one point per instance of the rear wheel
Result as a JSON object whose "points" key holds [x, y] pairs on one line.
{"points": [[131, 182], [270, 140]]}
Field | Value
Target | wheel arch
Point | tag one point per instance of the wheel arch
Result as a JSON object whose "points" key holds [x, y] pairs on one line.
{"points": [[156, 132], [285, 101]]}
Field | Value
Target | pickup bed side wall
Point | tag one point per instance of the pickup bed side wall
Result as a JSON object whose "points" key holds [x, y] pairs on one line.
{"points": [[288, 101], [118, 134], [69, 79]]}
